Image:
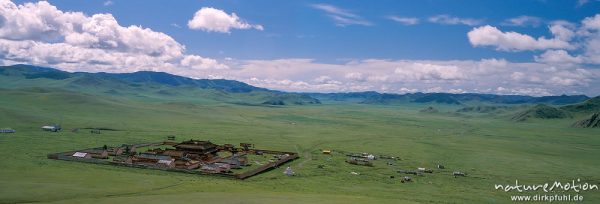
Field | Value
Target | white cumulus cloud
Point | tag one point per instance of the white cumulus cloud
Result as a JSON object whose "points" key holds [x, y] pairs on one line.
{"points": [[39, 33], [428, 71], [355, 76], [512, 41], [590, 31], [571, 43], [558, 56], [198, 62], [215, 20], [563, 30]]}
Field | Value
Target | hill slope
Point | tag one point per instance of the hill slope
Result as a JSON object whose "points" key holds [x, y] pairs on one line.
{"points": [[540, 111], [592, 122], [174, 80], [590, 105], [484, 109], [145, 85]]}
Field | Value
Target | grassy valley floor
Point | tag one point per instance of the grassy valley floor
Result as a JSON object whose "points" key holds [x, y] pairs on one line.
{"points": [[491, 150]]}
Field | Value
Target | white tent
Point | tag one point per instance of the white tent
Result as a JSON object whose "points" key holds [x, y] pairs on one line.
{"points": [[288, 171]]}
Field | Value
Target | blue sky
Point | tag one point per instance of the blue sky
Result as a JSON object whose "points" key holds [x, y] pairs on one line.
{"points": [[386, 46], [295, 29]]}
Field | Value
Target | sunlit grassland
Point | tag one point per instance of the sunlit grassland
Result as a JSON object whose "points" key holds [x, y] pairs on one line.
{"points": [[491, 149]]}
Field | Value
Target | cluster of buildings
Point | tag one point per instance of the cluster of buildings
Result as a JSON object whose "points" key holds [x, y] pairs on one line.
{"points": [[193, 156]]}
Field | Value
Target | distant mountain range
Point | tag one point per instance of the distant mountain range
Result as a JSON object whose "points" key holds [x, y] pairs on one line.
{"points": [[446, 98], [34, 72], [160, 84], [146, 85]]}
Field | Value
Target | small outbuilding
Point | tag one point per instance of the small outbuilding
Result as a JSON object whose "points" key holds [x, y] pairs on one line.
{"points": [[458, 173], [82, 155], [288, 171], [7, 130], [51, 128]]}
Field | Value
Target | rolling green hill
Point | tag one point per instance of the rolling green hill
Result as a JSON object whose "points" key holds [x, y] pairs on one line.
{"points": [[593, 121], [156, 86], [590, 105], [541, 111], [485, 109]]}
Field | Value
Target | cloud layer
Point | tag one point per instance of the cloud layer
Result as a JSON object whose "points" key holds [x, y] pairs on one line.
{"points": [[401, 76]]}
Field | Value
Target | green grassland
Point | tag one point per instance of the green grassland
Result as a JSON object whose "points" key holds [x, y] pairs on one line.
{"points": [[491, 148]]}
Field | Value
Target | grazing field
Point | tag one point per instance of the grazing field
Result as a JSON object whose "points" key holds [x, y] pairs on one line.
{"points": [[491, 149]]}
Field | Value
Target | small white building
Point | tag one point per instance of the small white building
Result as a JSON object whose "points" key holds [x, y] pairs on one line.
{"points": [[51, 128], [288, 171], [7, 130], [82, 155]]}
